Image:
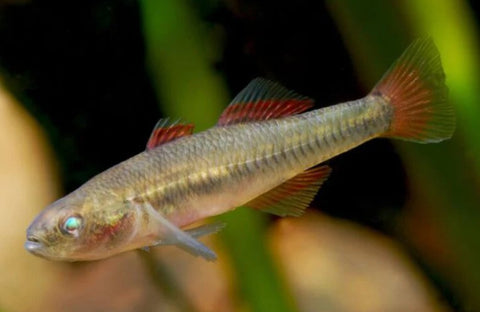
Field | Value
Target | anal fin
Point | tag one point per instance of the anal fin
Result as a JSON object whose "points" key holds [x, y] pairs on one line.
{"points": [[292, 197]]}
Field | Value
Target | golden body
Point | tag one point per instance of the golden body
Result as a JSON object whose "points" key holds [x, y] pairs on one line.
{"points": [[261, 154]]}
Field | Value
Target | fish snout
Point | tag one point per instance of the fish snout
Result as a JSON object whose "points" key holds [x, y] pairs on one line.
{"points": [[33, 244]]}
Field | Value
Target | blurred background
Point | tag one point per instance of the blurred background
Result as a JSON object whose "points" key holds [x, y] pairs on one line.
{"points": [[395, 228]]}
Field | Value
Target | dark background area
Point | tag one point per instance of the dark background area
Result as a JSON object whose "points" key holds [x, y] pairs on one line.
{"points": [[81, 72]]}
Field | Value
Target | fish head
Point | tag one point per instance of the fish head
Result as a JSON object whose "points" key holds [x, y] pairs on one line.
{"points": [[77, 228], [55, 231]]}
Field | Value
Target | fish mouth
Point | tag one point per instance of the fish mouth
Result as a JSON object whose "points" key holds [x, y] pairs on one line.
{"points": [[33, 245]]}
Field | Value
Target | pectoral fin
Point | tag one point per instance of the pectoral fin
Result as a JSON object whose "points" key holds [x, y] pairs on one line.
{"points": [[170, 234]]}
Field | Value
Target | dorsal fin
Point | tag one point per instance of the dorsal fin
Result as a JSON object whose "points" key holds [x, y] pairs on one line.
{"points": [[292, 197], [262, 99], [166, 131]]}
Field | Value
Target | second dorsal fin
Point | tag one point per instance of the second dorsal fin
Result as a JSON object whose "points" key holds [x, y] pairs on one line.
{"points": [[166, 131], [262, 99]]}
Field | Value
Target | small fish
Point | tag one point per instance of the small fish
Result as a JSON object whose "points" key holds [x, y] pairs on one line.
{"points": [[263, 153]]}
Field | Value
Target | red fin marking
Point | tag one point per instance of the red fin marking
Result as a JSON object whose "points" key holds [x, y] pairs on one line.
{"points": [[261, 100], [165, 131], [415, 87], [263, 110], [292, 197]]}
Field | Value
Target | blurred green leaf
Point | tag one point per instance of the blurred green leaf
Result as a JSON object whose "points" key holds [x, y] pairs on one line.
{"points": [[255, 270], [188, 87], [452, 25], [180, 63], [375, 38]]}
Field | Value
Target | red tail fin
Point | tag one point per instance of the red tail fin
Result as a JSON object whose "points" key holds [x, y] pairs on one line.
{"points": [[415, 86]]}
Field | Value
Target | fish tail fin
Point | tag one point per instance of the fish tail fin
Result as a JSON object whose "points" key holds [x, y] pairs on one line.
{"points": [[415, 87]]}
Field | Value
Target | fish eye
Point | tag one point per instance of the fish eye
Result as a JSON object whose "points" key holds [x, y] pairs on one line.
{"points": [[72, 225]]}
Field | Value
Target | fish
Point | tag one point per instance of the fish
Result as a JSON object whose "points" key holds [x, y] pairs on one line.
{"points": [[266, 152]]}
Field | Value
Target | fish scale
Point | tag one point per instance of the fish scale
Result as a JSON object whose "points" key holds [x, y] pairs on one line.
{"points": [[177, 173], [263, 154], [214, 160]]}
